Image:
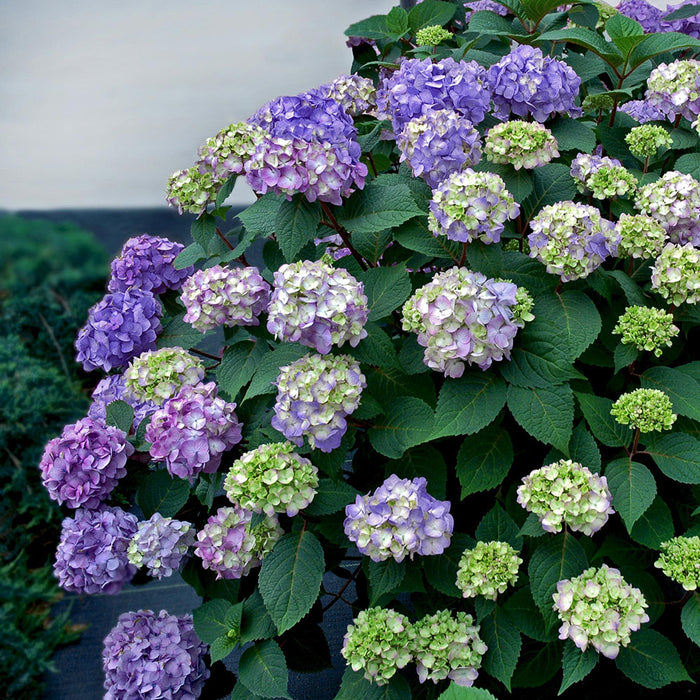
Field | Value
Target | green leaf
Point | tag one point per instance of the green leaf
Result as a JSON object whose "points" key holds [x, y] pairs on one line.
{"points": [[526, 272], [546, 414], [408, 421], [487, 259], [678, 456], [256, 622], [654, 526], [690, 618], [689, 163], [682, 389], [295, 224], [656, 44], [441, 571], [624, 32], [260, 218], [483, 460], [203, 229], [526, 616], [468, 404], [384, 577], [386, 288], [498, 526], [423, 460], [487, 22], [519, 183], [178, 333], [355, 686], [682, 13], [415, 235], [572, 135], [459, 692], [651, 660], [189, 256], [374, 27], [429, 13], [225, 191], [332, 496], [576, 664], [532, 527], [584, 449], [397, 21], [596, 411], [120, 415], [552, 183], [632, 487], [221, 647], [290, 578], [371, 246], [376, 349], [624, 356], [263, 670], [238, 365], [216, 619], [269, 368], [503, 640], [587, 38], [160, 493]]}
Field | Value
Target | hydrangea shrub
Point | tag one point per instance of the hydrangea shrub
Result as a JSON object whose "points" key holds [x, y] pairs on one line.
{"points": [[455, 387]]}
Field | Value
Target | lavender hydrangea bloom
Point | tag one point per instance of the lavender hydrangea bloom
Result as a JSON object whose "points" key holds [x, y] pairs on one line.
{"points": [[584, 165], [439, 143], [113, 388], [488, 5], [642, 111], [400, 518], [229, 545], [192, 430], [121, 326], [226, 153], [160, 544], [687, 25], [643, 12], [91, 555], [149, 656], [84, 464], [353, 93], [146, 262], [674, 89], [314, 395], [317, 305], [419, 86], [525, 82]]}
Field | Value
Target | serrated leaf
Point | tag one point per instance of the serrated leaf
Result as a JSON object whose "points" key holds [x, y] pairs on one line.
{"points": [[656, 44], [526, 616], [203, 229], [498, 526], [225, 191], [221, 647], [189, 256], [397, 21], [120, 415], [429, 13], [532, 527], [682, 389], [503, 640], [572, 135], [526, 272], [290, 578], [216, 619], [238, 365], [468, 404], [596, 411], [263, 670], [373, 27], [632, 487], [372, 245], [677, 456], [425, 461], [689, 163], [384, 577], [654, 526], [682, 13], [690, 618], [407, 422], [487, 22], [624, 356], [552, 183], [332, 496], [178, 333], [584, 449], [415, 235], [260, 218], [355, 686], [376, 349], [483, 460], [386, 289], [256, 622], [160, 493], [296, 222], [441, 571], [459, 692], [269, 368], [576, 664], [587, 38]]}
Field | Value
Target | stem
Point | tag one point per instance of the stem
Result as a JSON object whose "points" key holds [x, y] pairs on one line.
{"points": [[344, 235], [635, 444], [646, 165], [223, 238], [463, 256], [205, 354]]}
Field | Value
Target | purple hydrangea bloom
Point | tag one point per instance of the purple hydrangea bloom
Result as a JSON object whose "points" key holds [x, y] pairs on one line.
{"points": [[150, 657], [643, 12], [642, 111], [439, 143], [481, 5], [353, 93], [400, 518], [419, 86], [192, 430], [121, 326], [91, 555], [146, 262], [674, 89], [83, 465], [160, 544], [525, 82], [317, 305], [113, 388], [687, 25], [584, 165]]}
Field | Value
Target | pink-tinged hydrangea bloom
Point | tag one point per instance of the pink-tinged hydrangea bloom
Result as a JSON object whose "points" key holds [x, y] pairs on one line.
{"points": [[572, 239], [599, 608], [567, 493], [674, 88], [146, 262], [314, 396], [224, 296], [353, 93], [584, 165], [643, 12], [161, 544], [84, 464], [400, 518], [317, 305], [438, 143], [525, 82], [230, 546], [420, 86], [113, 388], [151, 657], [192, 430], [119, 327], [642, 111], [676, 274], [91, 555], [462, 316]]}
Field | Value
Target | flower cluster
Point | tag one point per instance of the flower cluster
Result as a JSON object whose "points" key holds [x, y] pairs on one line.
{"points": [[687, 25], [599, 608], [462, 316], [113, 388], [585, 165], [272, 479], [447, 645], [119, 327], [317, 305], [400, 518], [642, 111], [224, 296], [674, 89], [525, 82], [377, 643], [648, 410], [571, 239], [640, 236], [158, 375], [676, 274], [83, 465], [432, 35], [438, 143], [645, 13], [484, 5], [160, 544], [608, 182], [645, 140], [470, 206], [487, 569], [191, 191], [314, 395], [680, 561], [566, 492], [522, 144], [231, 545], [91, 555], [192, 429], [419, 86], [153, 656], [353, 93], [646, 328]]}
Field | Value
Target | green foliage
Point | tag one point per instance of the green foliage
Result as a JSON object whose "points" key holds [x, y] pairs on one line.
{"points": [[161, 493]]}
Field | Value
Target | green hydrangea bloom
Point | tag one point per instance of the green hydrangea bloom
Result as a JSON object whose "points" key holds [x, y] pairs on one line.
{"points": [[680, 561], [645, 140], [432, 36], [640, 236], [191, 190], [611, 181], [646, 328], [272, 479], [594, 103], [487, 569], [524, 304], [676, 274], [521, 144], [647, 409]]}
